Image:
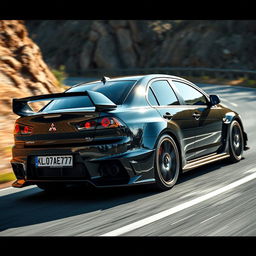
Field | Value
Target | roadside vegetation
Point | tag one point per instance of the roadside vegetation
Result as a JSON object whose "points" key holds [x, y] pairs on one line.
{"points": [[240, 81], [60, 75], [6, 177]]}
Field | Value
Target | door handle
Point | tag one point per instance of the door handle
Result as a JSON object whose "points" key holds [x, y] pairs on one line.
{"points": [[167, 115], [196, 116]]}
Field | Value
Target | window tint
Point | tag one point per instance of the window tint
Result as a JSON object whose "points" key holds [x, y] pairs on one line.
{"points": [[70, 102], [116, 91], [151, 98], [190, 95], [164, 93]]}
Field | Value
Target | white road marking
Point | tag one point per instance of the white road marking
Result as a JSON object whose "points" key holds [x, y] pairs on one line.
{"points": [[17, 189], [227, 101], [233, 104], [168, 212], [6, 188], [210, 218], [182, 219], [251, 170]]}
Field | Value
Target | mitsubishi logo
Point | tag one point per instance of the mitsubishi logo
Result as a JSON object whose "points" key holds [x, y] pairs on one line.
{"points": [[52, 128]]}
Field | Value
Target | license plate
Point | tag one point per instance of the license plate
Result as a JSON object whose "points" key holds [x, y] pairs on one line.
{"points": [[54, 161]]}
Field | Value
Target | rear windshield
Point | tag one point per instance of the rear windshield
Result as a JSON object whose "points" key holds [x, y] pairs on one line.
{"points": [[116, 91]]}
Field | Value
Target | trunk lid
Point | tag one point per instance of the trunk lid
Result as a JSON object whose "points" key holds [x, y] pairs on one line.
{"points": [[54, 124], [53, 129]]}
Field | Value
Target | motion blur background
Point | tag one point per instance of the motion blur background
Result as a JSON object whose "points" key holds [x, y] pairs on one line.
{"points": [[41, 56]]}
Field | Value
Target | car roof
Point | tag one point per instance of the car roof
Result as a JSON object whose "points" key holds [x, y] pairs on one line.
{"points": [[142, 78], [139, 80]]}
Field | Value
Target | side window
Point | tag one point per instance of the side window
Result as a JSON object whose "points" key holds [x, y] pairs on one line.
{"points": [[190, 95], [164, 93], [152, 98]]}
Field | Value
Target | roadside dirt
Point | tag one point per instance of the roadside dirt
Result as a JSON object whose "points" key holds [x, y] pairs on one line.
{"points": [[6, 184]]}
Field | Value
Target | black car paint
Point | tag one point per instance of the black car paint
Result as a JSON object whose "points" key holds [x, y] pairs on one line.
{"points": [[130, 148]]}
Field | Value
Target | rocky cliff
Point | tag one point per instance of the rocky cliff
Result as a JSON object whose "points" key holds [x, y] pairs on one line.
{"points": [[81, 45], [22, 73]]}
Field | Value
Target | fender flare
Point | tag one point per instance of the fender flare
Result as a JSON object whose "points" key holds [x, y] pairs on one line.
{"points": [[227, 120]]}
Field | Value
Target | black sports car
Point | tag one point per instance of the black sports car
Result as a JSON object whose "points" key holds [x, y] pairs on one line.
{"points": [[123, 131]]}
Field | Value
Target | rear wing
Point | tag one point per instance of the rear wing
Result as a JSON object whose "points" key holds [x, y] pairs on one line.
{"points": [[100, 101]]}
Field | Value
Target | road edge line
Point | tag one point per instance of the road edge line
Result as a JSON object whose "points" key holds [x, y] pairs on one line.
{"points": [[170, 211]]}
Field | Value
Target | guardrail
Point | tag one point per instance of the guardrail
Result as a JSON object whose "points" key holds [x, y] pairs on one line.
{"points": [[179, 71]]}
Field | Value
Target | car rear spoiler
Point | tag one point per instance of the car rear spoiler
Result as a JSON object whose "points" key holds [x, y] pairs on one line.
{"points": [[100, 101]]}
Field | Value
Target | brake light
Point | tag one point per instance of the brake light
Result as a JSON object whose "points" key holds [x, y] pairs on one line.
{"points": [[22, 129], [87, 125], [17, 128], [26, 130], [105, 122], [111, 122], [90, 124], [100, 123]]}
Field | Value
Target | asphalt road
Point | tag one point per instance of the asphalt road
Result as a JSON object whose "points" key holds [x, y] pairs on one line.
{"points": [[214, 200]]}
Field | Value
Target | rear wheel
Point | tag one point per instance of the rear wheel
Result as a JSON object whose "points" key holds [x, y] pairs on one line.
{"points": [[236, 142], [167, 163]]}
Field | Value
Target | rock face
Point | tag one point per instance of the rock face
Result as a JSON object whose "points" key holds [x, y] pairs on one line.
{"points": [[21, 63], [113, 44], [81, 45], [22, 73], [219, 44]]}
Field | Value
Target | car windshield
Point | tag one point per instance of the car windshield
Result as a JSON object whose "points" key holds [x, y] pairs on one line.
{"points": [[116, 91]]}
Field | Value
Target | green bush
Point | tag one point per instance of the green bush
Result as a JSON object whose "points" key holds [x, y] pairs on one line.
{"points": [[60, 74], [250, 82], [7, 177]]}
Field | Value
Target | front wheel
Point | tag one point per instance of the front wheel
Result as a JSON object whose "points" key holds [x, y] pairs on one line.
{"points": [[167, 163], [236, 142]]}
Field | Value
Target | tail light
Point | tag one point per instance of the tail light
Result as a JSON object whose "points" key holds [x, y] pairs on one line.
{"points": [[99, 123], [22, 129]]}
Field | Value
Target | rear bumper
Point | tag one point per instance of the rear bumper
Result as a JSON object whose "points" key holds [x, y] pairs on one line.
{"points": [[99, 165]]}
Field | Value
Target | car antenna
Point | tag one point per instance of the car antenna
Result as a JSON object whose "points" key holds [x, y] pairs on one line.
{"points": [[105, 79]]}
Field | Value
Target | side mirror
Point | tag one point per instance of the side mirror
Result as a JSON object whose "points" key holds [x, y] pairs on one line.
{"points": [[214, 100]]}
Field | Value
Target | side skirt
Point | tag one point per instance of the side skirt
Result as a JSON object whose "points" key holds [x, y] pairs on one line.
{"points": [[204, 160]]}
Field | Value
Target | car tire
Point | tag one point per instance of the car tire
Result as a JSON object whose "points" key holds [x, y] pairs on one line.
{"points": [[236, 142], [167, 163]]}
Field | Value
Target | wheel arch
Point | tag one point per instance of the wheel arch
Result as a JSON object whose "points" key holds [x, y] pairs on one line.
{"points": [[227, 120], [179, 142]]}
